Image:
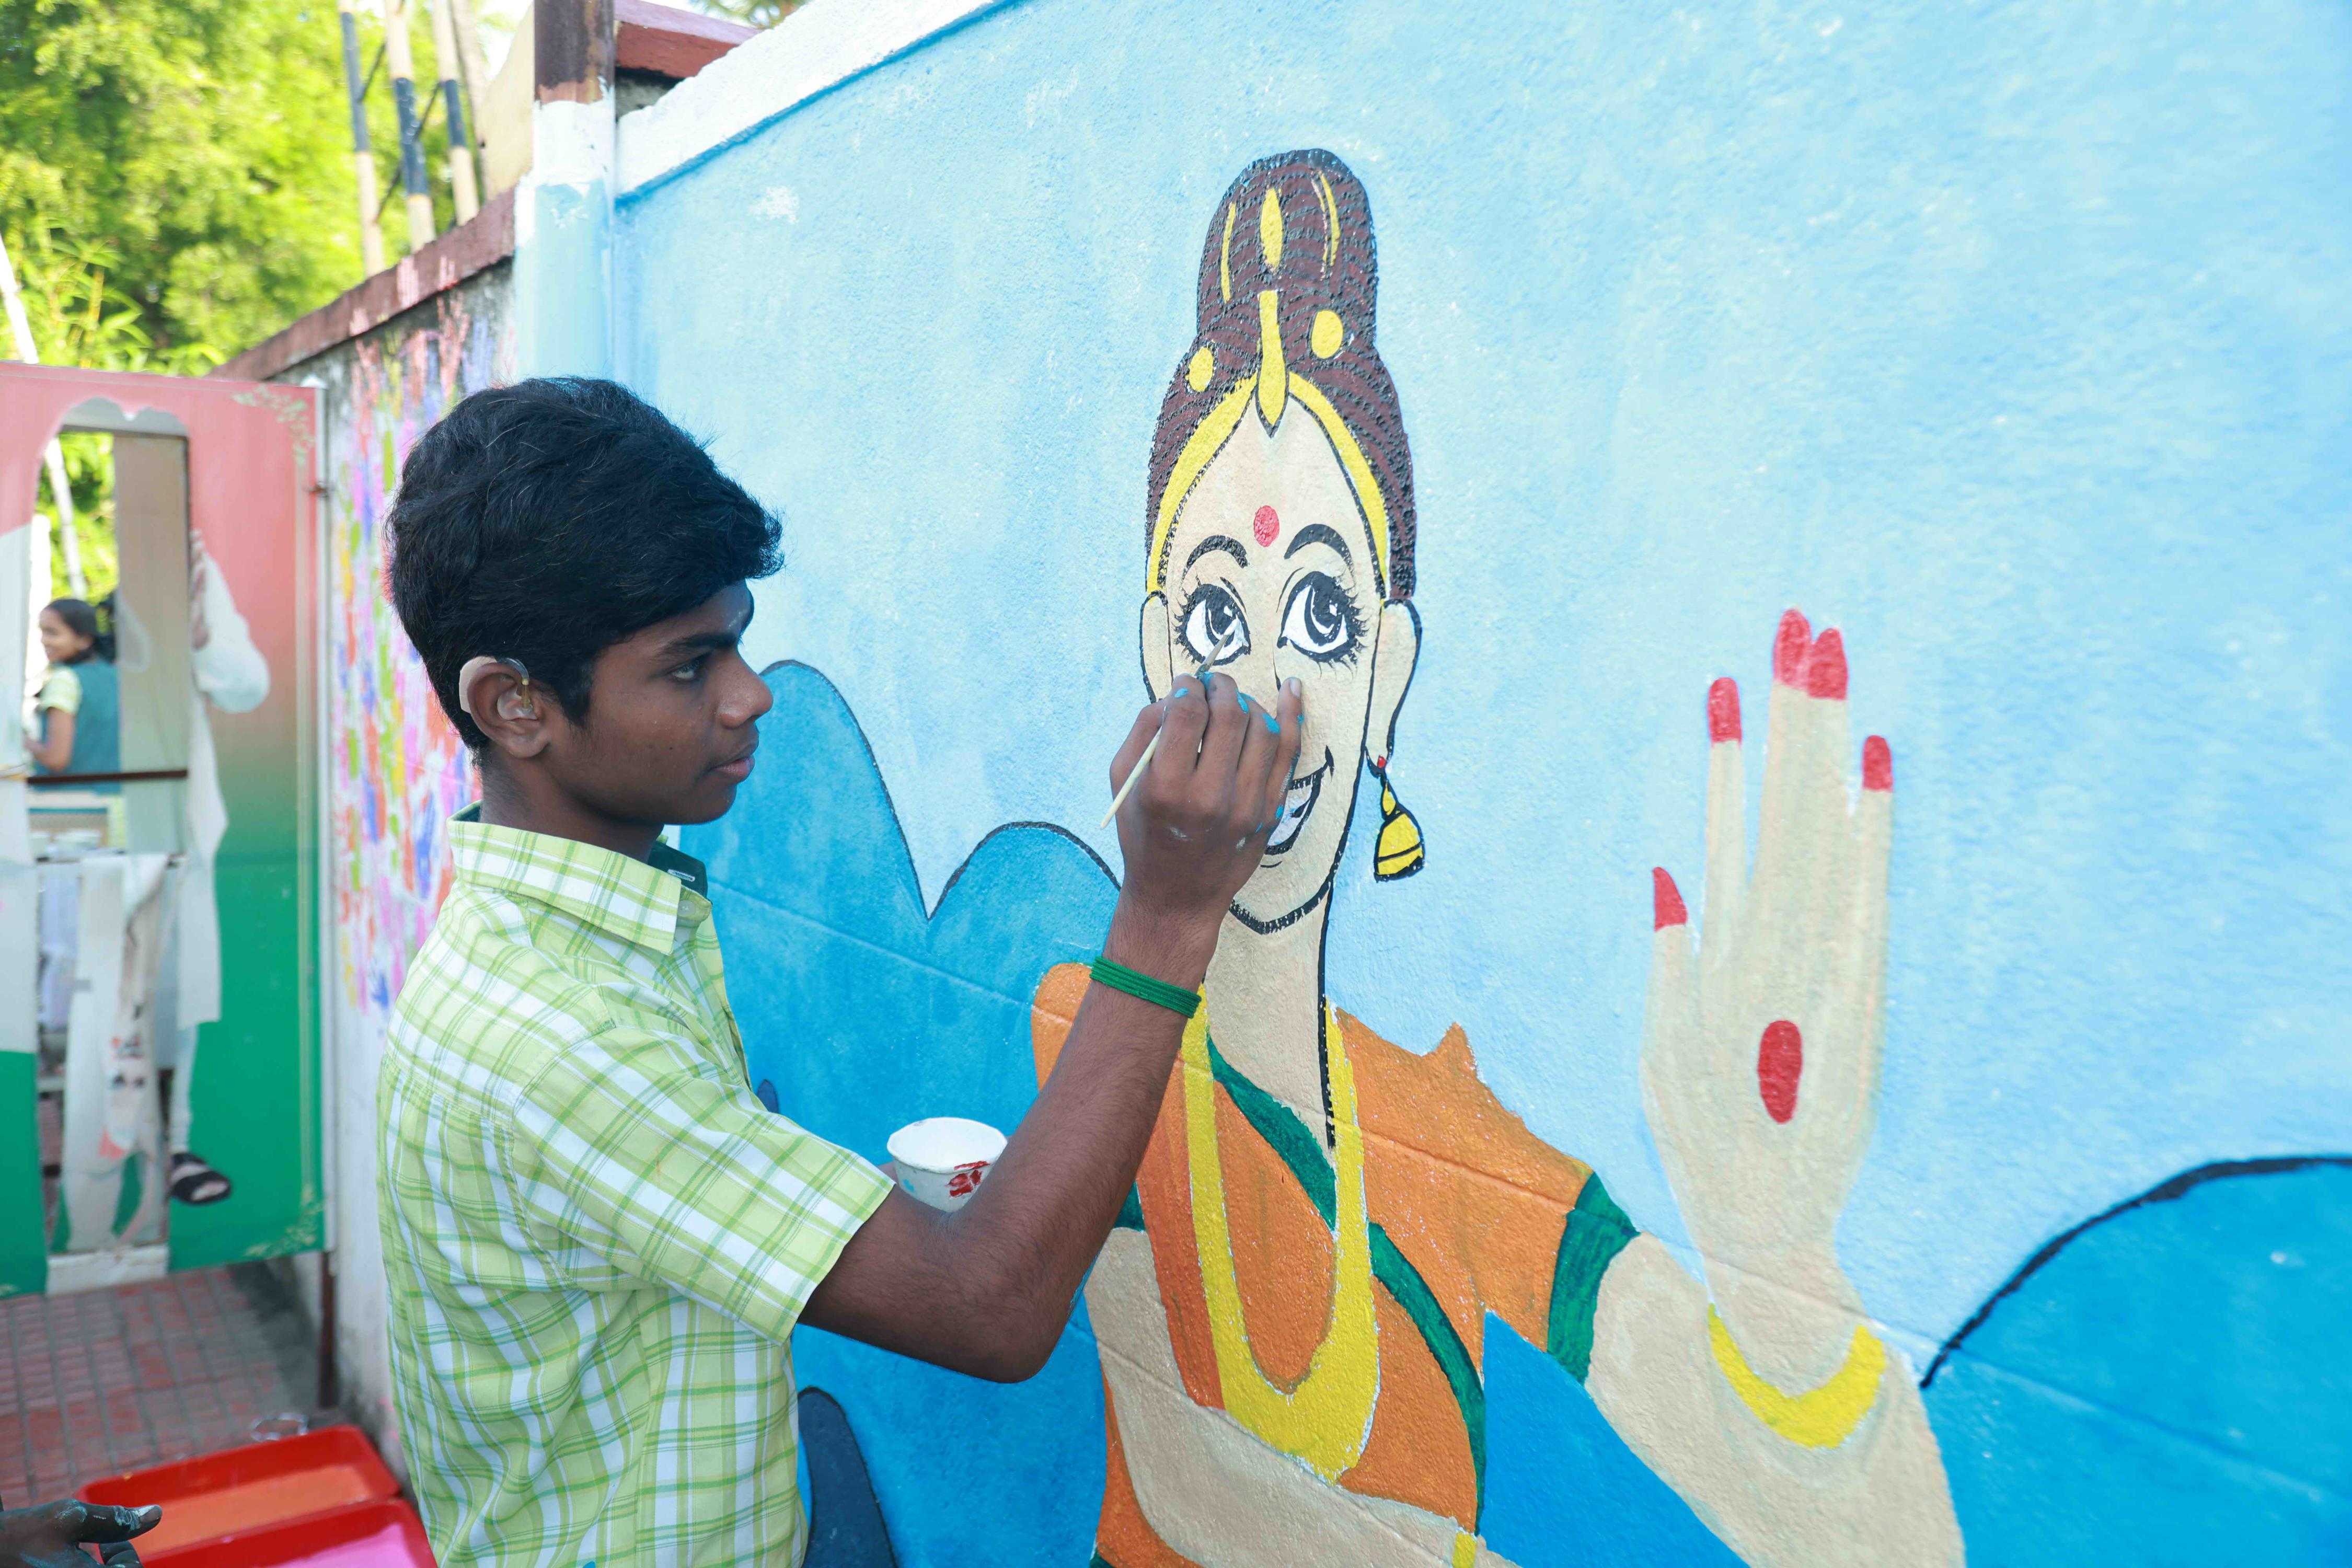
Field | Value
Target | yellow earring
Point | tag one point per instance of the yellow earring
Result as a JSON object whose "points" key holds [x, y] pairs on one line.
{"points": [[1399, 851]]}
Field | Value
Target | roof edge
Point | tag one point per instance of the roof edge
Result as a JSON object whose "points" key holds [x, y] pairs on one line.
{"points": [[480, 243]]}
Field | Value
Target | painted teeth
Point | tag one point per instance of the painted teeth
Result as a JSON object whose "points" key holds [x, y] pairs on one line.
{"points": [[1295, 804]]}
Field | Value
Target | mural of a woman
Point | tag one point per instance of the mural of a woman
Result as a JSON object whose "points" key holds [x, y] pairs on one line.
{"points": [[1291, 1318]]}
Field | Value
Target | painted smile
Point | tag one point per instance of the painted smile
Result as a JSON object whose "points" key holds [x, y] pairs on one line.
{"points": [[1295, 803]]}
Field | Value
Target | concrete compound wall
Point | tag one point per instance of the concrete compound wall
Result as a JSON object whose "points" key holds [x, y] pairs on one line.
{"points": [[1976, 1185]]}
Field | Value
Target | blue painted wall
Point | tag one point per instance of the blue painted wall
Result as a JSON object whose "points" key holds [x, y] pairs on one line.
{"points": [[2012, 341]]}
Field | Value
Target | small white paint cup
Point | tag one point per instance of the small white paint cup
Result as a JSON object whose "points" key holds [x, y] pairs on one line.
{"points": [[941, 1159]]}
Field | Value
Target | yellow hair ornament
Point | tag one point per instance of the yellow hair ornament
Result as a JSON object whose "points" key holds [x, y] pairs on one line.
{"points": [[1399, 851], [1269, 229], [1200, 368], [1328, 334], [1272, 373], [1822, 1417]]}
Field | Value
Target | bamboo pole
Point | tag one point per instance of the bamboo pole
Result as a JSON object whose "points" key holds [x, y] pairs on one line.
{"points": [[371, 260], [450, 63], [54, 457], [412, 133], [473, 66]]}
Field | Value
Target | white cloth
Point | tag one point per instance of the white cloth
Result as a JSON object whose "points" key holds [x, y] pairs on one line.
{"points": [[60, 928], [230, 675], [110, 1111]]}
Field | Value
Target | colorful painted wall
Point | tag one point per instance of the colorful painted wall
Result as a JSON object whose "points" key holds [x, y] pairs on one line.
{"points": [[1797, 1015], [396, 772]]}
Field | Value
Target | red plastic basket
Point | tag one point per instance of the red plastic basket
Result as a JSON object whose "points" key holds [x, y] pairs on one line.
{"points": [[239, 1491], [368, 1535]]}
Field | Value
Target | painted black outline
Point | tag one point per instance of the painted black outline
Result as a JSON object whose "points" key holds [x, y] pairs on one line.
{"points": [[2164, 1192]]}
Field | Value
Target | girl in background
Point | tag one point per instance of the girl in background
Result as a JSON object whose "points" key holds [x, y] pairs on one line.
{"points": [[75, 712]]}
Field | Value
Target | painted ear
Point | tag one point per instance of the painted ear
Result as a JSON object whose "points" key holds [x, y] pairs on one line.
{"points": [[1159, 651], [1396, 648]]}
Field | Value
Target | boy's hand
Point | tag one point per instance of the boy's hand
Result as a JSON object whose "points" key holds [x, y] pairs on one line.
{"points": [[1195, 828]]}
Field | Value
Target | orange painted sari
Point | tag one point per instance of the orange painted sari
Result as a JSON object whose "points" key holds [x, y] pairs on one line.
{"points": [[1470, 1214]]}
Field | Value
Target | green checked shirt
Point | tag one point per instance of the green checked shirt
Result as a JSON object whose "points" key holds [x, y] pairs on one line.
{"points": [[597, 1241]]}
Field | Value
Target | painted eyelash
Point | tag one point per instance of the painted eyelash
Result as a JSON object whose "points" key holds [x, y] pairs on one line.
{"points": [[1192, 601], [1354, 648]]}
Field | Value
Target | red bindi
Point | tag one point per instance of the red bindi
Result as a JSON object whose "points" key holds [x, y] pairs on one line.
{"points": [[1265, 525]]}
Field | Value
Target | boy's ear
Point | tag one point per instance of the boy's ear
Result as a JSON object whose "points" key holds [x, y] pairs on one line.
{"points": [[504, 706]]}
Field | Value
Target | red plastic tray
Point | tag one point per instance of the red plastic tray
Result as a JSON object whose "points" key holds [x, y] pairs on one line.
{"points": [[367, 1535], [242, 1489]]}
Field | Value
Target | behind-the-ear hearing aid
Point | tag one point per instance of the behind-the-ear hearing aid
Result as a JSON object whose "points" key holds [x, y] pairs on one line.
{"points": [[517, 704]]}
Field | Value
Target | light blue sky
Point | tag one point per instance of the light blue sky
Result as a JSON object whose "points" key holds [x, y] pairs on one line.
{"points": [[2012, 341]]}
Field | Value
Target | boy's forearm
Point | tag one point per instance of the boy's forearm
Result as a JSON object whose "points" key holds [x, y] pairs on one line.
{"points": [[999, 1277], [987, 1290], [1066, 1174]]}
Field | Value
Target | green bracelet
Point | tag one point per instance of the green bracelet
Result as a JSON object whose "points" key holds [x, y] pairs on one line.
{"points": [[1159, 993]]}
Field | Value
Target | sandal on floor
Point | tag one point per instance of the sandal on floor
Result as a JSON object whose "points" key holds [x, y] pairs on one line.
{"points": [[196, 1183]]}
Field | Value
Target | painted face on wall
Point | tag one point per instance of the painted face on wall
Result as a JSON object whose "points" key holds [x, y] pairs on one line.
{"points": [[1279, 519], [1273, 572]]}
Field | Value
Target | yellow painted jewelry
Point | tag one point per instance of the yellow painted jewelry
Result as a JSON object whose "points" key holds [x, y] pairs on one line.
{"points": [[1325, 1420], [1822, 1417]]}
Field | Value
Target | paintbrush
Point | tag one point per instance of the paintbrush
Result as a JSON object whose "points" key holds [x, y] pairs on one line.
{"points": [[1143, 761]]}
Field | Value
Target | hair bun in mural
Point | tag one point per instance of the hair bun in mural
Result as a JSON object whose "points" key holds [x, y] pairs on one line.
{"points": [[1287, 295]]}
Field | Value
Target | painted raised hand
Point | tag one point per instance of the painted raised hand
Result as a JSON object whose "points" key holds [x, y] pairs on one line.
{"points": [[1761, 1054]]}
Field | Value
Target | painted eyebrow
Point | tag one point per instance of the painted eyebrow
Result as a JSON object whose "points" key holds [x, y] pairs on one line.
{"points": [[1319, 533], [1217, 541]]}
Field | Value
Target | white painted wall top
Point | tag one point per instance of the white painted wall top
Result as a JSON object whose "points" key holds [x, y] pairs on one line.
{"points": [[823, 43]]}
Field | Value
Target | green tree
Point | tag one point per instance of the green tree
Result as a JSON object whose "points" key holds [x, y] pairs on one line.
{"points": [[193, 158]]}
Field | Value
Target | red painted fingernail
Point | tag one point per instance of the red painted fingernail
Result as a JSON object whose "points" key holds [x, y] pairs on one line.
{"points": [[1789, 649], [1723, 710], [1780, 1062], [1825, 672], [1667, 898], [1877, 763]]}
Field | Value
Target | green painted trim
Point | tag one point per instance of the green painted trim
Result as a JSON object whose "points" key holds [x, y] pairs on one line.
{"points": [[1287, 1136], [1595, 1232], [1393, 1268], [1284, 1133], [24, 1250]]}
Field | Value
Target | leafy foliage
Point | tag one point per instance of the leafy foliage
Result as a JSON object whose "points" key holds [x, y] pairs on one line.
{"points": [[175, 175]]}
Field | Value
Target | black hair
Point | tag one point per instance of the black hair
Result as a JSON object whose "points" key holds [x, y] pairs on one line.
{"points": [[81, 619], [547, 520]]}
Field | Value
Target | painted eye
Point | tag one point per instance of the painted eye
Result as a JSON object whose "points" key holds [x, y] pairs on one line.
{"points": [[1215, 628], [1320, 619]]}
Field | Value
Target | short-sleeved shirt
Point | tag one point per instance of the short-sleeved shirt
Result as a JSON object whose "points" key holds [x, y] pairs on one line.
{"points": [[60, 690], [597, 1240]]}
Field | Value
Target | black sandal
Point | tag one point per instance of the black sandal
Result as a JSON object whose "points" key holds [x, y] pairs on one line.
{"points": [[195, 1183]]}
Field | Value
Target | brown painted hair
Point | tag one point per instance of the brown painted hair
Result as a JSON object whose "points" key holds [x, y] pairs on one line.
{"points": [[1289, 269]]}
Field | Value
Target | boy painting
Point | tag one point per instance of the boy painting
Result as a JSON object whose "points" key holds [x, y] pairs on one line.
{"points": [[597, 1241]]}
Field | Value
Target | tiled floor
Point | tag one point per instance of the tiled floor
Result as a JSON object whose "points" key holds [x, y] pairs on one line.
{"points": [[113, 1379]]}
